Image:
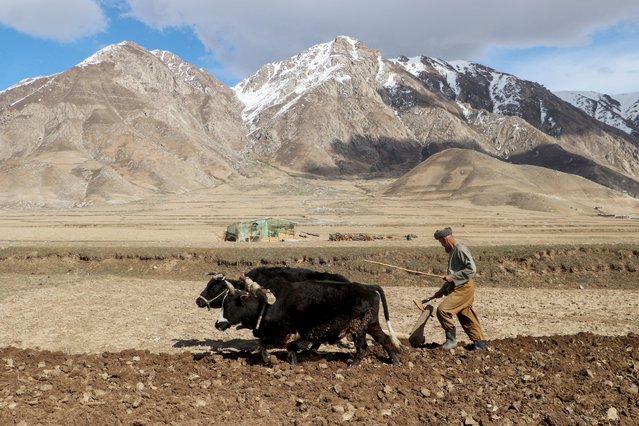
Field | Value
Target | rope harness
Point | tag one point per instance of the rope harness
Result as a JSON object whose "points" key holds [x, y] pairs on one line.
{"points": [[208, 302], [252, 289]]}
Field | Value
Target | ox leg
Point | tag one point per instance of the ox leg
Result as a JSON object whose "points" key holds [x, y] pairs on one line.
{"points": [[314, 347], [380, 337], [291, 353], [264, 355], [360, 347]]}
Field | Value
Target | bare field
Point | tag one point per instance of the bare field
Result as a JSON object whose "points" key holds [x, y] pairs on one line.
{"points": [[100, 322]]}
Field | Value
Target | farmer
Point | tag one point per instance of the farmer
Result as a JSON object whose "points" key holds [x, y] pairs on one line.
{"points": [[459, 292]]}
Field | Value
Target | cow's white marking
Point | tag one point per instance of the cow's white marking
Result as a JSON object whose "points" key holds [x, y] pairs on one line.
{"points": [[220, 317], [394, 340]]}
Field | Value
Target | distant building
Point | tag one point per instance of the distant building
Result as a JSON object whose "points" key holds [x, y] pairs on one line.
{"points": [[267, 229]]}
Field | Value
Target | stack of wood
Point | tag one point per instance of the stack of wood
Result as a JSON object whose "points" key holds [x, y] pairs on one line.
{"points": [[306, 234], [353, 237]]}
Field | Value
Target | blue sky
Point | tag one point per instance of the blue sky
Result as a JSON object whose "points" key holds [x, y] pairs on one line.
{"points": [[565, 45]]}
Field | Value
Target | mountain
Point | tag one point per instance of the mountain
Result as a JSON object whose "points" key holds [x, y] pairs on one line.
{"points": [[127, 124], [471, 177], [578, 143], [321, 112], [342, 109], [121, 126], [620, 111]]}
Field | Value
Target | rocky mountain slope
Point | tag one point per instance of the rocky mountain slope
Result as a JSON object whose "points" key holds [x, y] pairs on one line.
{"points": [[127, 124], [122, 125], [620, 111], [578, 143], [340, 108]]}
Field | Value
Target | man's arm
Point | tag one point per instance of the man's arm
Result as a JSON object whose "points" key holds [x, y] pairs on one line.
{"points": [[443, 291]]}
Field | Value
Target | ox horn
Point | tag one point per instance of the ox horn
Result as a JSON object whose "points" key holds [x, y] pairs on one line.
{"points": [[230, 287], [216, 275], [263, 293]]}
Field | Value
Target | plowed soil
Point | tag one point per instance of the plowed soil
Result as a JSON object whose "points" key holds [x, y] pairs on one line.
{"points": [[106, 336]]}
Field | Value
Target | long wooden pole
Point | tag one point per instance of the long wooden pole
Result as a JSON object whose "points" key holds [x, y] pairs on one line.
{"points": [[404, 269]]}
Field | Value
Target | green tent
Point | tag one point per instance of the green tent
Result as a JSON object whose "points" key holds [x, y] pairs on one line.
{"points": [[266, 229]]}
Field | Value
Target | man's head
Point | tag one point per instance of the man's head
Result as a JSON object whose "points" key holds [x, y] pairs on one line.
{"points": [[445, 238]]}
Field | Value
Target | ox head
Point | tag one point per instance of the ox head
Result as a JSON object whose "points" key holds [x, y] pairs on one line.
{"points": [[213, 293], [244, 307]]}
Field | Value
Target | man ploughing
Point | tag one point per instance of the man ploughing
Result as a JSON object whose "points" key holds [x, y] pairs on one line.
{"points": [[459, 293]]}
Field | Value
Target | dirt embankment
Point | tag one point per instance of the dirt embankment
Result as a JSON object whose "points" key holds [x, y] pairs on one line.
{"points": [[602, 266]]}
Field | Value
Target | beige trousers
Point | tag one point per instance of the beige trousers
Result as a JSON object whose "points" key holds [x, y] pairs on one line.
{"points": [[460, 303]]}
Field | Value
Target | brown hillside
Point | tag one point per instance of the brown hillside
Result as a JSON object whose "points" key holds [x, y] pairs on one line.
{"points": [[486, 181]]}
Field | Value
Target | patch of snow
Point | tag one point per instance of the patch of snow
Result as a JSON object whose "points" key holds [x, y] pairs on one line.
{"points": [[48, 83], [504, 92], [176, 65], [414, 65], [450, 73], [464, 67], [101, 55], [287, 80], [354, 50], [381, 67], [629, 104], [391, 81], [26, 82], [598, 106], [465, 110], [543, 113]]}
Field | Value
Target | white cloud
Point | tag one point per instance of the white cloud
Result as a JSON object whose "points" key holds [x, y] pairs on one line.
{"points": [[66, 20], [599, 70], [243, 35], [249, 33]]}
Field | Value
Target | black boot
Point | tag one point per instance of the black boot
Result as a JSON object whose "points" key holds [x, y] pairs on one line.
{"points": [[480, 345], [451, 339]]}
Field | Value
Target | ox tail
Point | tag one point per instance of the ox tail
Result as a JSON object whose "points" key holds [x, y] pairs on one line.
{"points": [[393, 337]]}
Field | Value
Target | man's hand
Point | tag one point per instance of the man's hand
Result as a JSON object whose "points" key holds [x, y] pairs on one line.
{"points": [[428, 300], [420, 305]]}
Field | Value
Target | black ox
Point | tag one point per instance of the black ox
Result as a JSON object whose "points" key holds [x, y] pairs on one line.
{"points": [[270, 277], [317, 311]]}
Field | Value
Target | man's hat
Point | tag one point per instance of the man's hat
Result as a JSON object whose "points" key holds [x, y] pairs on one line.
{"points": [[441, 233]]}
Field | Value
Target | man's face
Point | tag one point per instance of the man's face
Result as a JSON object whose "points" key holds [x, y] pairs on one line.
{"points": [[446, 242]]}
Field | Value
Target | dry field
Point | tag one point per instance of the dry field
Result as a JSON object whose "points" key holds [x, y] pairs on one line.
{"points": [[99, 322]]}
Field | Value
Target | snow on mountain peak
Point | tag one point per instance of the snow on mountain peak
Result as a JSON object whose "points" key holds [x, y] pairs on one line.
{"points": [[615, 110], [504, 89], [104, 54], [26, 82], [177, 66], [285, 82], [449, 71]]}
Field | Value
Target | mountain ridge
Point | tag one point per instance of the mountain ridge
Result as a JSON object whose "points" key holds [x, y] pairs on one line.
{"points": [[620, 111], [128, 123]]}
